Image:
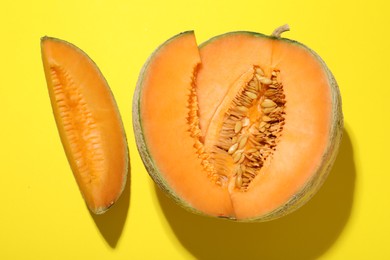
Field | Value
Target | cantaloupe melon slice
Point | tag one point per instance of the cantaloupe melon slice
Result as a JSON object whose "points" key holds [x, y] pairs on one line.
{"points": [[88, 122]]}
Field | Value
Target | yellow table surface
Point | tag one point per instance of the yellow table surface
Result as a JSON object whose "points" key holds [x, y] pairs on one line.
{"points": [[42, 214]]}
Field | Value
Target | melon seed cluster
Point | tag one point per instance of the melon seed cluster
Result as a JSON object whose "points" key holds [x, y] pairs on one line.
{"points": [[73, 109], [195, 132], [252, 126]]}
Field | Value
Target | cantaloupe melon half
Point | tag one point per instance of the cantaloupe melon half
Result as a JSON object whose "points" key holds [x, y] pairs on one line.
{"points": [[244, 127]]}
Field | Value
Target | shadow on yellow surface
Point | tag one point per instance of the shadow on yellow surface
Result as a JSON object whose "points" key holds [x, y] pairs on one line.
{"points": [[304, 234], [111, 223]]}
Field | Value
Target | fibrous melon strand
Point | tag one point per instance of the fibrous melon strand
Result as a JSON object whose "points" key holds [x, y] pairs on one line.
{"points": [[79, 125], [252, 127]]}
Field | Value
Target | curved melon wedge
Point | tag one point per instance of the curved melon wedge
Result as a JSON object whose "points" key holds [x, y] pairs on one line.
{"points": [[244, 127], [160, 113], [88, 122]]}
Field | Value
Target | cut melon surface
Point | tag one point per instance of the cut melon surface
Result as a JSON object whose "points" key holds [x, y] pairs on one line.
{"points": [[88, 122], [244, 127]]}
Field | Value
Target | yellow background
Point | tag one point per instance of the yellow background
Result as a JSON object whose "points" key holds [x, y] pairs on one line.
{"points": [[42, 214]]}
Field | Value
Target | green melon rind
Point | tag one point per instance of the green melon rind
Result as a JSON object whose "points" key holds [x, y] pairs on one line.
{"points": [[308, 190]]}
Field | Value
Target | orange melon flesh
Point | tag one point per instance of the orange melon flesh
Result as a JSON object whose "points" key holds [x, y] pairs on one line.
{"points": [[224, 60], [88, 121], [304, 151], [163, 111], [305, 135]]}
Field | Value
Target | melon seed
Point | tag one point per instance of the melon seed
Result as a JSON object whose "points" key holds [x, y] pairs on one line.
{"points": [[259, 71], [268, 110], [237, 127], [251, 150], [266, 118], [237, 156], [268, 103], [262, 124], [251, 95], [254, 90], [254, 84], [245, 121], [238, 181], [239, 170], [269, 92], [242, 108], [243, 142], [241, 159], [233, 148], [253, 130], [264, 80]]}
